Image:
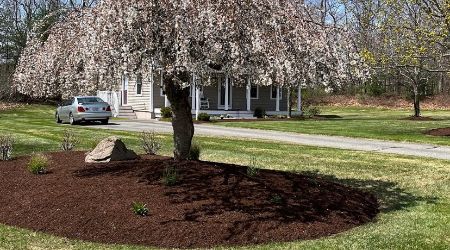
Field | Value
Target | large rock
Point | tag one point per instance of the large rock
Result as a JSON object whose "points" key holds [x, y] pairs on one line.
{"points": [[111, 149]]}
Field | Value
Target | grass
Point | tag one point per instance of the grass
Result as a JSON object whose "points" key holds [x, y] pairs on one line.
{"points": [[414, 192], [373, 123]]}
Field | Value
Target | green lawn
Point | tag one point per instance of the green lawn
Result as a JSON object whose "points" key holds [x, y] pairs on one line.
{"points": [[373, 123], [414, 192]]}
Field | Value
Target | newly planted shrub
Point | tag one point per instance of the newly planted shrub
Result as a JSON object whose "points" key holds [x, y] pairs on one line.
{"points": [[6, 147], [252, 169], [194, 152], [150, 143], [204, 117], [170, 176], [259, 112], [38, 164], [312, 111], [166, 112], [276, 199], [69, 140], [140, 208]]}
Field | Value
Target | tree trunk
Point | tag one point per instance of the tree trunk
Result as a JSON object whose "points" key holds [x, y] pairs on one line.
{"points": [[416, 102], [183, 127]]}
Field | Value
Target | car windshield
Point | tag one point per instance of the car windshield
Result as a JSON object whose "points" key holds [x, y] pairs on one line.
{"points": [[89, 100]]}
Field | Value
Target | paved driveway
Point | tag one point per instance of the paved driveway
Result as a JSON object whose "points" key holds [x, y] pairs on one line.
{"points": [[414, 149]]}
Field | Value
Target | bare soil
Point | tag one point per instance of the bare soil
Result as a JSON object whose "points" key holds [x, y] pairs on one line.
{"points": [[212, 204], [8, 106], [436, 102], [439, 132]]}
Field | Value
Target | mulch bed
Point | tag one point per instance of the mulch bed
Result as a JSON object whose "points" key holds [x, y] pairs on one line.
{"points": [[213, 204], [439, 132]]}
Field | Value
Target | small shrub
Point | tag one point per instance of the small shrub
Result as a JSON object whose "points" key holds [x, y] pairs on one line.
{"points": [[166, 112], [252, 169], [194, 152], [140, 209], [69, 140], [259, 112], [312, 111], [150, 143], [170, 176], [6, 147], [38, 164], [276, 199], [204, 117]]}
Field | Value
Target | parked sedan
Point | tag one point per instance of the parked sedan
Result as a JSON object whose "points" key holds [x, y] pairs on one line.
{"points": [[83, 108]]}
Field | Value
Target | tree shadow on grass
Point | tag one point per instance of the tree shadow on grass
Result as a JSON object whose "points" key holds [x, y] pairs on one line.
{"points": [[389, 194]]}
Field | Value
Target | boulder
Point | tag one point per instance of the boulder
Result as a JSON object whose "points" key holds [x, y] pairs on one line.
{"points": [[110, 149]]}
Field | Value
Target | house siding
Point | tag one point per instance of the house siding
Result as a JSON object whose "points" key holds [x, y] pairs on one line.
{"points": [[138, 102]]}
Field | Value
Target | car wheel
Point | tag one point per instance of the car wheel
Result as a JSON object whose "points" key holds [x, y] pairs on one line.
{"points": [[72, 120], [58, 120], [105, 121]]}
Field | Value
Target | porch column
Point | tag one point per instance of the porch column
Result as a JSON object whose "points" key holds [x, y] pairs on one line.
{"points": [[193, 92], [152, 91], [226, 91], [288, 102], [299, 99], [278, 99], [166, 100], [249, 88], [197, 100]]}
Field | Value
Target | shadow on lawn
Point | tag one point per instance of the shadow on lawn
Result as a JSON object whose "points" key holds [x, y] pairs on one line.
{"points": [[389, 194]]}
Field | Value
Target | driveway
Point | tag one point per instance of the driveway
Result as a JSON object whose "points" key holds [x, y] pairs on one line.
{"points": [[412, 149]]}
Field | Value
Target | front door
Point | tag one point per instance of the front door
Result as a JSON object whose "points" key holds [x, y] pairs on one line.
{"points": [[221, 103], [125, 90]]}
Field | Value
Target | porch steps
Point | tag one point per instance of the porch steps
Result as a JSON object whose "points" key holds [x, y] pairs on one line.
{"points": [[126, 112]]}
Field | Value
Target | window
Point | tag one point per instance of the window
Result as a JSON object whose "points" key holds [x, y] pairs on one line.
{"points": [[254, 92], [162, 92], [89, 100], [273, 92], [139, 84]]}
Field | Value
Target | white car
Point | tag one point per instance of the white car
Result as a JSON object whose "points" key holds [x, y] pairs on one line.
{"points": [[83, 108]]}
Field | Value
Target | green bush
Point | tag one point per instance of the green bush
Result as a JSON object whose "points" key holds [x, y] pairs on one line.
{"points": [[259, 112], [38, 164], [140, 209], [276, 199], [194, 152], [6, 147], [252, 169], [204, 117], [312, 111], [166, 112], [313, 96], [170, 176], [150, 142]]}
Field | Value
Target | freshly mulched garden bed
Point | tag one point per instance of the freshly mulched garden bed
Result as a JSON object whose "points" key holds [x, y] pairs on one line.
{"points": [[439, 132], [212, 204]]}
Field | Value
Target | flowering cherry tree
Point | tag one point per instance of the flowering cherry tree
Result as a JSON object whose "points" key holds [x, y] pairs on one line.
{"points": [[273, 42]]}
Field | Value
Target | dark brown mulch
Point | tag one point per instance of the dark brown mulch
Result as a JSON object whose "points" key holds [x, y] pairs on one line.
{"points": [[213, 204], [420, 118], [439, 132]]}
